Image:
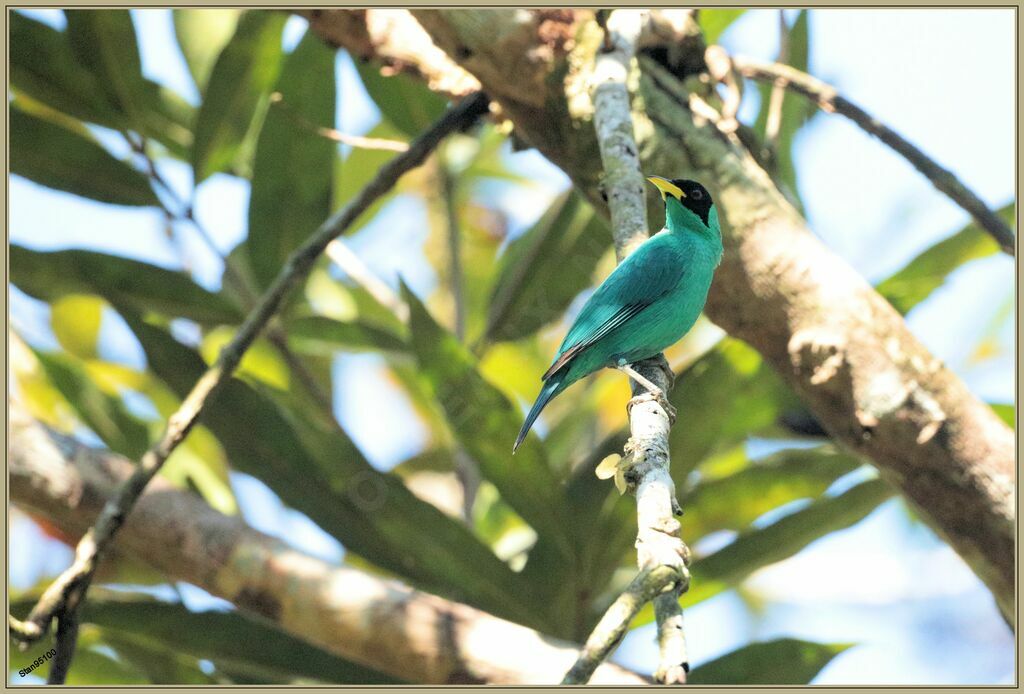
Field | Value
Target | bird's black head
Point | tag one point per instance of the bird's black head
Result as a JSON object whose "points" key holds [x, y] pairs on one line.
{"points": [[691, 194]]}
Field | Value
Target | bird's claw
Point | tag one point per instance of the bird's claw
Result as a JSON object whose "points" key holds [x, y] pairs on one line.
{"points": [[659, 398]]}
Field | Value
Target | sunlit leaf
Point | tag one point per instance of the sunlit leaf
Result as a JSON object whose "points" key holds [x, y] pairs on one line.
{"points": [[202, 34], [52, 156], [782, 661], [1007, 413], [75, 320], [733, 502], [261, 361], [546, 267], [406, 103], [714, 22], [291, 184], [241, 78], [929, 270], [104, 414], [51, 275]]}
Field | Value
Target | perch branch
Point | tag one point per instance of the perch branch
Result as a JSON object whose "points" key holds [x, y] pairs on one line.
{"points": [[658, 543], [382, 624], [647, 586], [68, 589], [842, 348], [831, 101]]}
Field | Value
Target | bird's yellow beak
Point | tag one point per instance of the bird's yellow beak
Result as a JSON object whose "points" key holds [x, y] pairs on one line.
{"points": [[667, 187]]}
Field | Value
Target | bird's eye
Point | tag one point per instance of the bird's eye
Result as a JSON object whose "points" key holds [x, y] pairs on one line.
{"points": [[697, 194]]}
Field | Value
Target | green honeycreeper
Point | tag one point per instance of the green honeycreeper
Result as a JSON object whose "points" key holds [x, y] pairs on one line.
{"points": [[648, 303]]}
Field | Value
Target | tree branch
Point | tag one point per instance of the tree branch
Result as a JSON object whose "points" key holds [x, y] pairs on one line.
{"points": [[379, 623], [608, 632], [67, 590], [647, 456], [828, 99], [839, 345]]}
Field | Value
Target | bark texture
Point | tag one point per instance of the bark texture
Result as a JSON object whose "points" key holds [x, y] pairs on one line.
{"points": [[841, 346], [378, 623]]}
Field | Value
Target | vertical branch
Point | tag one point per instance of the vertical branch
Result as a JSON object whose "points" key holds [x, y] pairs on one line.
{"points": [[647, 453]]}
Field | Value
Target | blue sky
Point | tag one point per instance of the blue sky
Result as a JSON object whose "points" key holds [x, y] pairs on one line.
{"points": [[943, 78]]}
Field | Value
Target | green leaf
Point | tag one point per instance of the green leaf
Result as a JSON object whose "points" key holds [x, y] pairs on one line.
{"points": [[227, 639], [406, 103], [104, 41], [104, 414], [545, 268], [241, 78], [714, 22], [44, 66], [796, 110], [51, 275], [1007, 412], [202, 34], [486, 424], [75, 320], [322, 335], [782, 661], [322, 474], [928, 271], [733, 502], [782, 539], [291, 183], [52, 156]]}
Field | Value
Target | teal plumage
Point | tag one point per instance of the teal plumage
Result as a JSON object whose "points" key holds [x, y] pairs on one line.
{"points": [[649, 301]]}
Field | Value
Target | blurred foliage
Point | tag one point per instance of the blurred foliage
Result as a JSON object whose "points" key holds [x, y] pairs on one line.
{"points": [[545, 543]]}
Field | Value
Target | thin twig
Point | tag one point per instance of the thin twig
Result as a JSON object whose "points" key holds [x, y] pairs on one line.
{"points": [[609, 631], [358, 141], [354, 267], [773, 121], [660, 550], [66, 592], [829, 100]]}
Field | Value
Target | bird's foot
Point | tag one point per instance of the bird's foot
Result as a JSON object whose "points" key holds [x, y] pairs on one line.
{"points": [[656, 396], [662, 363]]}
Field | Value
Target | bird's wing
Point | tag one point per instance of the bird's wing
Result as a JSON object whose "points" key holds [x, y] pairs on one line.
{"points": [[645, 276]]}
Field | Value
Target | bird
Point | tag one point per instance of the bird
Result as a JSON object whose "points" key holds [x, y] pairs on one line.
{"points": [[647, 303]]}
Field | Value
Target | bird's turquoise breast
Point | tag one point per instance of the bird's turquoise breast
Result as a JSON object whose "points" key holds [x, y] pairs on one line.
{"points": [[665, 321]]}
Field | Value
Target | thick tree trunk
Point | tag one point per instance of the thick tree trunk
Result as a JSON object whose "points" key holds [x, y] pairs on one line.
{"points": [[379, 623], [840, 345]]}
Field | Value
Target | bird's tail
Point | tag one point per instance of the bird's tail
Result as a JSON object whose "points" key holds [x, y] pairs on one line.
{"points": [[552, 387]]}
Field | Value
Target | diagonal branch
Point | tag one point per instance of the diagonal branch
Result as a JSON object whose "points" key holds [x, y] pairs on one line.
{"points": [[68, 589], [608, 633], [828, 99], [380, 623]]}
